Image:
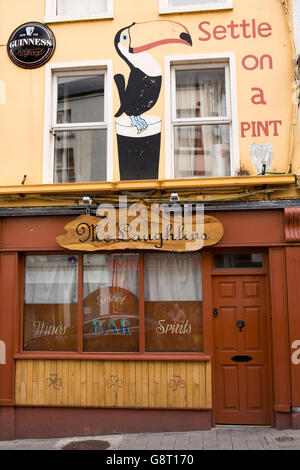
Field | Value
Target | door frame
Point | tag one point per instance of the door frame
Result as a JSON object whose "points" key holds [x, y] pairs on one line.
{"points": [[209, 272]]}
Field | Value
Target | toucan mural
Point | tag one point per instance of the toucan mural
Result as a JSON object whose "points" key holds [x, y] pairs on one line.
{"points": [[139, 136]]}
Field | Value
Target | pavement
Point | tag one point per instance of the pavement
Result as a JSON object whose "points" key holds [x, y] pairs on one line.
{"points": [[219, 438]]}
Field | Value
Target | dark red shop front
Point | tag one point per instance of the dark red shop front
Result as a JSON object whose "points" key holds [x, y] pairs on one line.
{"points": [[245, 342]]}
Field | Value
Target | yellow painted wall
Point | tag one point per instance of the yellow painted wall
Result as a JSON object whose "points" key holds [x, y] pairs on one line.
{"points": [[107, 384], [22, 106]]}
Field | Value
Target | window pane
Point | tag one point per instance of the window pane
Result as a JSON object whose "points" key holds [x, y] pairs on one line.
{"points": [[50, 310], [238, 260], [173, 302], [111, 303], [200, 93], [80, 156], [78, 7], [202, 150], [176, 3], [80, 99]]}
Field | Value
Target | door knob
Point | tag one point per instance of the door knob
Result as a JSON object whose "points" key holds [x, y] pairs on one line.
{"points": [[240, 324]]}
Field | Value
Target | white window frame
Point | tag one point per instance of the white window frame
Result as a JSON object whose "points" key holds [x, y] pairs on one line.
{"points": [[165, 7], [50, 125], [296, 15], [52, 17], [224, 60]]}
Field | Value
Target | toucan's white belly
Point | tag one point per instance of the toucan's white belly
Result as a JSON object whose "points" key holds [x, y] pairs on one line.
{"points": [[142, 61]]}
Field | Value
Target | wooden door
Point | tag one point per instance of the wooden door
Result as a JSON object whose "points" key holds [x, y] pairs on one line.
{"points": [[242, 357]]}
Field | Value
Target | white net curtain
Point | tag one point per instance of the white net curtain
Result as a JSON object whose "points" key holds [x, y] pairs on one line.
{"points": [[200, 93], [199, 148], [111, 270], [51, 279], [173, 277], [168, 276], [79, 7]]}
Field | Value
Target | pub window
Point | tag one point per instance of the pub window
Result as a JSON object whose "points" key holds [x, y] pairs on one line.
{"points": [[50, 303], [113, 303], [173, 299], [79, 127], [201, 121], [64, 10], [169, 6]]}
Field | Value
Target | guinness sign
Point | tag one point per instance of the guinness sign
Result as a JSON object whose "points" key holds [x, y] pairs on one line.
{"points": [[31, 45]]}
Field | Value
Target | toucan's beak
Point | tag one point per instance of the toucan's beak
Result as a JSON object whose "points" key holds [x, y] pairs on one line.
{"points": [[145, 36]]}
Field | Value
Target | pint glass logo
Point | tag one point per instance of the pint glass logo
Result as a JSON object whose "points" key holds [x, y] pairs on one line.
{"points": [[31, 45]]}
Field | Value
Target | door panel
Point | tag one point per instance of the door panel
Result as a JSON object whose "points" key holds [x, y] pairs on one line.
{"points": [[252, 332], [251, 290], [227, 290], [231, 387], [254, 381], [228, 334], [242, 389]]}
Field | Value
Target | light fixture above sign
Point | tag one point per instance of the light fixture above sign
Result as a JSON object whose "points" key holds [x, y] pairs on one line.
{"points": [[31, 45]]}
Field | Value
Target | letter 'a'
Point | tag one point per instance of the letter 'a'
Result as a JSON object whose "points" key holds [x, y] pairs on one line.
{"points": [[296, 354], [2, 353]]}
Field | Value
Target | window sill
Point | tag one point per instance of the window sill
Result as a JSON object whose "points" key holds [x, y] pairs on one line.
{"points": [[200, 357], [194, 8], [66, 19]]}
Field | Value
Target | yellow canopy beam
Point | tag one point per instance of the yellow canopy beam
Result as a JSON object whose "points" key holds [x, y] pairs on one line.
{"points": [[147, 185]]}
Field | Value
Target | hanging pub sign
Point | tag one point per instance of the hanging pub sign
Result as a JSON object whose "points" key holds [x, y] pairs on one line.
{"points": [[157, 227], [31, 45]]}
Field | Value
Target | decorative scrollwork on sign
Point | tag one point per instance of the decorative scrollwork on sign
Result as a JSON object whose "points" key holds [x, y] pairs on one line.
{"points": [[54, 381], [176, 382], [114, 382]]}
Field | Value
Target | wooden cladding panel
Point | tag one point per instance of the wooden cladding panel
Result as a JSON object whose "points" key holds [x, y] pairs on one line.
{"points": [[114, 384]]}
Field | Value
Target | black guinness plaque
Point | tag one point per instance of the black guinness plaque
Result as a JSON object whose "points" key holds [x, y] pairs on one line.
{"points": [[31, 45]]}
